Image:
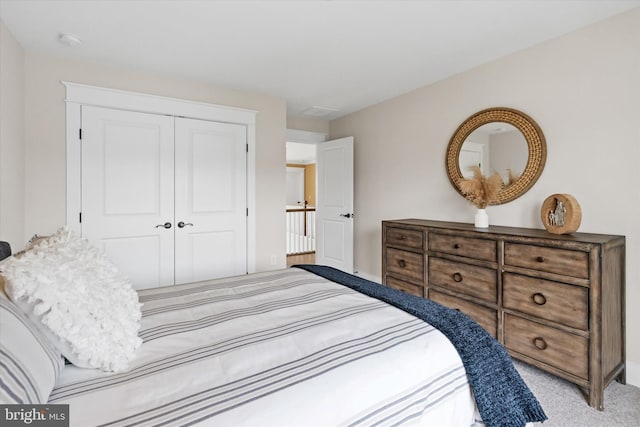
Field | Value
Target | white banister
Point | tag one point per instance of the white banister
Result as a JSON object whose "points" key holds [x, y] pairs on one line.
{"points": [[301, 231]]}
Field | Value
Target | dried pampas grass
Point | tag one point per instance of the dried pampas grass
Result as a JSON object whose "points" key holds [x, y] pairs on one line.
{"points": [[480, 190]]}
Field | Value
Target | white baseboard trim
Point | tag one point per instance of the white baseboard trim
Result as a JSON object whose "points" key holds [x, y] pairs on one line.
{"points": [[633, 373], [376, 279]]}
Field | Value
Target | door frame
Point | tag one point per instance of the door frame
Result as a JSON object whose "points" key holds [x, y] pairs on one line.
{"points": [[81, 94], [318, 139]]}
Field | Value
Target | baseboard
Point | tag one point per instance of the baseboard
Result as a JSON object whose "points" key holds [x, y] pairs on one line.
{"points": [[633, 373], [370, 277]]}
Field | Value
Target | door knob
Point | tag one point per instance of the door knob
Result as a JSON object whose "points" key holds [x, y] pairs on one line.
{"points": [[166, 225], [182, 224], [347, 215]]}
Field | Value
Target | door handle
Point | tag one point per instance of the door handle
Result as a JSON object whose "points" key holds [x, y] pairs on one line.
{"points": [[166, 225], [183, 224], [348, 215]]}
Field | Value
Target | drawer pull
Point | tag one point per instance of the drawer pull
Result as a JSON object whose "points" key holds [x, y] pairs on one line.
{"points": [[402, 263], [403, 237], [540, 343], [457, 277], [456, 246], [540, 259], [539, 299]]}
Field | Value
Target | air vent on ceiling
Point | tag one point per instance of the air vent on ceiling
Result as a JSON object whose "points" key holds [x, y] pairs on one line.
{"points": [[316, 111]]}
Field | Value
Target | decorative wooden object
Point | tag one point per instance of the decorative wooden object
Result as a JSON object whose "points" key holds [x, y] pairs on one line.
{"points": [[554, 301], [561, 214], [532, 134]]}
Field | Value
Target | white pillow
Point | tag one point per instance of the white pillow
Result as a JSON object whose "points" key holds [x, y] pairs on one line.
{"points": [[79, 298]]}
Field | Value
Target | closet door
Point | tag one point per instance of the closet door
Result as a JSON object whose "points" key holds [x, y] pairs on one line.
{"points": [[210, 200], [128, 191]]}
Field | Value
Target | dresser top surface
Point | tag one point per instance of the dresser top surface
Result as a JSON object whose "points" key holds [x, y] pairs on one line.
{"points": [[498, 230]]}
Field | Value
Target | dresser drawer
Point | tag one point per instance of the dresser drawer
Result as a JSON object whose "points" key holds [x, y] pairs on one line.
{"points": [[486, 317], [558, 302], [551, 260], [403, 286], [463, 246], [471, 280], [554, 347], [401, 237], [404, 263]]}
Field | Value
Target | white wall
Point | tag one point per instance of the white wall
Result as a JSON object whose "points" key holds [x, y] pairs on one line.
{"points": [[45, 141], [12, 153], [583, 89]]}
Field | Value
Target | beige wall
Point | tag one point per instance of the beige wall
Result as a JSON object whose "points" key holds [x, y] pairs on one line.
{"points": [[310, 184], [583, 89], [45, 141], [508, 150], [12, 162], [308, 124]]}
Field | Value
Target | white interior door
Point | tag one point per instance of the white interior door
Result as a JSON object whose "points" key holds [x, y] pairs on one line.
{"points": [[334, 211], [471, 154], [128, 191], [295, 186], [210, 200]]}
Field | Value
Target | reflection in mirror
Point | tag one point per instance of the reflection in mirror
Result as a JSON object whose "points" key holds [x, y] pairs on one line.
{"points": [[493, 138], [495, 147]]}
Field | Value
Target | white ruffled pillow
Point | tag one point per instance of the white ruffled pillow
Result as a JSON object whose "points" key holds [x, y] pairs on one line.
{"points": [[79, 299]]}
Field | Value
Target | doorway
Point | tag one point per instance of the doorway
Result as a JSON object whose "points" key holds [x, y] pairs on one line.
{"points": [[301, 201], [331, 211]]}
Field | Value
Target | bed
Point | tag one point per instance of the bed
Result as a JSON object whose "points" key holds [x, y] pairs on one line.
{"points": [[305, 346]]}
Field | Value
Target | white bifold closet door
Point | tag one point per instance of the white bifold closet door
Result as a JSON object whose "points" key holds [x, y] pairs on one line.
{"points": [[164, 197], [211, 194]]}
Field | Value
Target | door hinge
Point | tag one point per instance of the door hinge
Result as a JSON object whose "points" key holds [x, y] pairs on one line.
{"points": [[80, 134], [247, 148], [247, 211], [80, 217]]}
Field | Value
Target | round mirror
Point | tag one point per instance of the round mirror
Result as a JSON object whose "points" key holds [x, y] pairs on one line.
{"points": [[501, 140]]}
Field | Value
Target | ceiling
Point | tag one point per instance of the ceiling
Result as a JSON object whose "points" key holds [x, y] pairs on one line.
{"points": [[326, 58]]}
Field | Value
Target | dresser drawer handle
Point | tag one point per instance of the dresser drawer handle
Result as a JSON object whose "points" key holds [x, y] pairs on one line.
{"points": [[540, 259], [456, 246], [403, 237], [539, 299], [457, 277], [402, 263], [540, 343]]}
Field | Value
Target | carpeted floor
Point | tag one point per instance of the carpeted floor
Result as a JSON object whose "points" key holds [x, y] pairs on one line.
{"points": [[566, 406]]}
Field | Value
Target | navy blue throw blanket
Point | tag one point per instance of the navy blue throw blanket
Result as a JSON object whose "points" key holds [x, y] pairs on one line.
{"points": [[503, 398]]}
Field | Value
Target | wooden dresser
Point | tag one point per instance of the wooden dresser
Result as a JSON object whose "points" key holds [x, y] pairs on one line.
{"points": [[554, 301]]}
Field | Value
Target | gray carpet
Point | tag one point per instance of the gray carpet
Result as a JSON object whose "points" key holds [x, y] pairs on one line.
{"points": [[566, 406]]}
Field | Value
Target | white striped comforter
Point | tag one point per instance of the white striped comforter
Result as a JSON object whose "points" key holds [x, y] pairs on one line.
{"points": [[283, 348]]}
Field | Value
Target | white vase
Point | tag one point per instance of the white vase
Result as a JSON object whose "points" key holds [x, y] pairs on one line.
{"points": [[482, 219]]}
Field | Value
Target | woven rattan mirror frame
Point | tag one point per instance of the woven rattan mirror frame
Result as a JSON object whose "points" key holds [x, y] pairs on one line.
{"points": [[532, 134]]}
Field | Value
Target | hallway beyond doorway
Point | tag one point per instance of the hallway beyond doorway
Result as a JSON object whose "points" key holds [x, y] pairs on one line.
{"points": [[309, 258]]}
